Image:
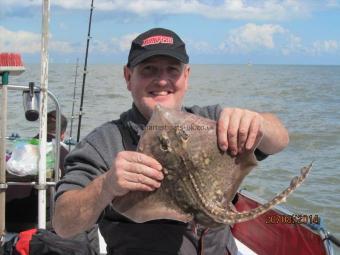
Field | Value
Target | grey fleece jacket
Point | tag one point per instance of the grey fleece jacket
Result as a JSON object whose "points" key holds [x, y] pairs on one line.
{"points": [[94, 155]]}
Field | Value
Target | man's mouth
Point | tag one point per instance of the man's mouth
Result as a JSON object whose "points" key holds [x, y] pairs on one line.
{"points": [[160, 93]]}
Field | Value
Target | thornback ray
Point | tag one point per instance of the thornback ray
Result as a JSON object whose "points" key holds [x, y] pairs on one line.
{"points": [[200, 180]]}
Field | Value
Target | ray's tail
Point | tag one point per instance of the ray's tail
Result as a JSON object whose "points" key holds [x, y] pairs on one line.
{"points": [[253, 213]]}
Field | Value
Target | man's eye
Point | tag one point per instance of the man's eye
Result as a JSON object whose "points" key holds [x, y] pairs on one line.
{"points": [[174, 70], [147, 70]]}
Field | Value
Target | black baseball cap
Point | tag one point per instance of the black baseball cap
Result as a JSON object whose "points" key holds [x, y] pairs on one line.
{"points": [[157, 41]]}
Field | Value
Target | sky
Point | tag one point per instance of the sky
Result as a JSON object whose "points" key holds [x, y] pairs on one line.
{"points": [[304, 32]]}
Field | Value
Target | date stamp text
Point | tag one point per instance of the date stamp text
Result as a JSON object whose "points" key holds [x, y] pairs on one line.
{"points": [[293, 219]]}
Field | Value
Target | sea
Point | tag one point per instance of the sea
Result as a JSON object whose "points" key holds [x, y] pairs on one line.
{"points": [[305, 98]]}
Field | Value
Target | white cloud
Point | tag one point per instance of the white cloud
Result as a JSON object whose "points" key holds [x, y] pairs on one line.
{"points": [[61, 47], [199, 46], [15, 3], [326, 46], [100, 46], [251, 37], [123, 43], [228, 9], [20, 41], [333, 3], [114, 45], [293, 44], [28, 42]]}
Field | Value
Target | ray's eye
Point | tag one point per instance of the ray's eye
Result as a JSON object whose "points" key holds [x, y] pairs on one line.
{"points": [[164, 143], [182, 134]]}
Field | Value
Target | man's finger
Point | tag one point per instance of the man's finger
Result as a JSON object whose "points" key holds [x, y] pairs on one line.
{"points": [[142, 179], [222, 129], [135, 186], [254, 134], [243, 132], [233, 131], [137, 157], [139, 168]]}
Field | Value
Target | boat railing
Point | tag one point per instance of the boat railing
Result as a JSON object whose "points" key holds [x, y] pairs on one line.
{"points": [[39, 184]]}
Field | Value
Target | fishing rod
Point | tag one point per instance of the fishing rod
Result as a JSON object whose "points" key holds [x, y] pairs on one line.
{"points": [[70, 140], [84, 73]]}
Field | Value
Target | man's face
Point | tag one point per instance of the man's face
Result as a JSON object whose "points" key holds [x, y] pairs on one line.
{"points": [[157, 80]]}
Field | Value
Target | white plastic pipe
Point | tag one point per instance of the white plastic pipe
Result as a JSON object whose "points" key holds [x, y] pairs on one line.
{"points": [[3, 121], [43, 115]]}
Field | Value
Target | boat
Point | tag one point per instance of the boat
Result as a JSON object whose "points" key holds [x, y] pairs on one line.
{"points": [[278, 231]]}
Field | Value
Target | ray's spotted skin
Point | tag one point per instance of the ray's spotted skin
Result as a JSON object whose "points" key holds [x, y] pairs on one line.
{"points": [[200, 180]]}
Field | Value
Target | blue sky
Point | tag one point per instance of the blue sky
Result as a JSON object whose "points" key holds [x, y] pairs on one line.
{"points": [[216, 31]]}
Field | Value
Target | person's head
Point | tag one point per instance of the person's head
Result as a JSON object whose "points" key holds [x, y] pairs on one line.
{"points": [[52, 121], [157, 71]]}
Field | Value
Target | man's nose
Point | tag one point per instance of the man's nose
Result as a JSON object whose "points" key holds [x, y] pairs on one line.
{"points": [[163, 77]]}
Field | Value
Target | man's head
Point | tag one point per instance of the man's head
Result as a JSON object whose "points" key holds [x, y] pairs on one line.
{"points": [[157, 70], [51, 124]]}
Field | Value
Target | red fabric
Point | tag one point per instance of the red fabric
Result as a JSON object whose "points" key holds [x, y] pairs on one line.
{"points": [[23, 244], [268, 238]]}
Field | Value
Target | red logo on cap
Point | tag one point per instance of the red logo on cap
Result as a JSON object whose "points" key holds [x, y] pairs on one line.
{"points": [[157, 39]]}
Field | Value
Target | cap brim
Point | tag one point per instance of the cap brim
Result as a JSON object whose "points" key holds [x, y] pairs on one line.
{"points": [[163, 52]]}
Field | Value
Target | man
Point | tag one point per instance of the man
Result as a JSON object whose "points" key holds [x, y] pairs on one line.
{"points": [[105, 164]]}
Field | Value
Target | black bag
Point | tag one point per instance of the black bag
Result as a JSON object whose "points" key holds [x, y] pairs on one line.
{"points": [[44, 242]]}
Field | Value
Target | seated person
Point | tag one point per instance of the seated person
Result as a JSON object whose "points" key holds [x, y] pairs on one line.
{"points": [[22, 197], [51, 131], [22, 201]]}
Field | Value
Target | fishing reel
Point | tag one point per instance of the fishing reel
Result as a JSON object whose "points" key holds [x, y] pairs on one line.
{"points": [[31, 100]]}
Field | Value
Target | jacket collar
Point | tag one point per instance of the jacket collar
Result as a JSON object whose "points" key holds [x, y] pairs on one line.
{"points": [[135, 122]]}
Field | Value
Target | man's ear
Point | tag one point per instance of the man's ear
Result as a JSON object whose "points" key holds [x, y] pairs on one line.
{"points": [[127, 76], [187, 75]]}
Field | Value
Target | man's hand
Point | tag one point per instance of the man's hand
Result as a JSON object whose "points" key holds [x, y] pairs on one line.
{"points": [[134, 171], [239, 130], [77, 210]]}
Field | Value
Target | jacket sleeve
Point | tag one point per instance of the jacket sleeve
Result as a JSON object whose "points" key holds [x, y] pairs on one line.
{"points": [[211, 112], [91, 157]]}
